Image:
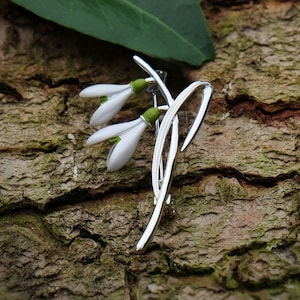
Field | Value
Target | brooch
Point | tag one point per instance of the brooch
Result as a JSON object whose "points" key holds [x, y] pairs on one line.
{"points": [[125, 136]]}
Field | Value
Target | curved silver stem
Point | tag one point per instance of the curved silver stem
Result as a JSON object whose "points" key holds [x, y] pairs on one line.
{"points": [[157, 168], [206, 95], [169, 119]]}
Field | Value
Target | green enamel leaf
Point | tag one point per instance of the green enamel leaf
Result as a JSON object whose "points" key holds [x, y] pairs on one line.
{"points": [[172, 30]]}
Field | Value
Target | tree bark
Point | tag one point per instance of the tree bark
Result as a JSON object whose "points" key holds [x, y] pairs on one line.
{"points": [[68, 228]]}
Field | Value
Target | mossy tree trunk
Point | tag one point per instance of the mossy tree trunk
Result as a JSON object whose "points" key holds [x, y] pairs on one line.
{"points": [[68, 228]]}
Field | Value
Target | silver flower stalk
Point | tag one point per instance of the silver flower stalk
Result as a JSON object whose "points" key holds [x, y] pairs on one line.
{"points": [[112, 98], [158, 172], [159, 145]]}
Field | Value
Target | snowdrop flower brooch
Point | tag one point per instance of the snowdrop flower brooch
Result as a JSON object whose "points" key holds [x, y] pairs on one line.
{"points": [[127, 135]]}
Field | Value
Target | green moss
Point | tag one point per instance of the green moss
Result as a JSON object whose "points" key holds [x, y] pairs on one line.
{"points": [[293, 289], [272, 71], [28, 224], [49, 144], [227, 25], [224, 272], [48, 163], [13, 281], [230, 189]]}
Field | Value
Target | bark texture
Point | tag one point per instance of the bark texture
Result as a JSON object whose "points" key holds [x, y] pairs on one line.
{"points": [[68, 228]]}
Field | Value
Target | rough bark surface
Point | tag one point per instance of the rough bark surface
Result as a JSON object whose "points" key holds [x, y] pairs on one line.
{"points": [[68, 228]]}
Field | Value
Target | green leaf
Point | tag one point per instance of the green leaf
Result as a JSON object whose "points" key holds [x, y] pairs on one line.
{"points": [[170, 29]]}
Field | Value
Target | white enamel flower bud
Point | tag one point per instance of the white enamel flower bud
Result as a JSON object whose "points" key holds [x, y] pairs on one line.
{"points": [[110, 131], [107, 110], [122, 152], [100, 90], [124, 149], [116, 96]]}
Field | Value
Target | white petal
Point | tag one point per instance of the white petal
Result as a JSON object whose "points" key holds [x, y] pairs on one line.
{"points": [[121, 153], [110, 131], [108, 109], [99, 90]]}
